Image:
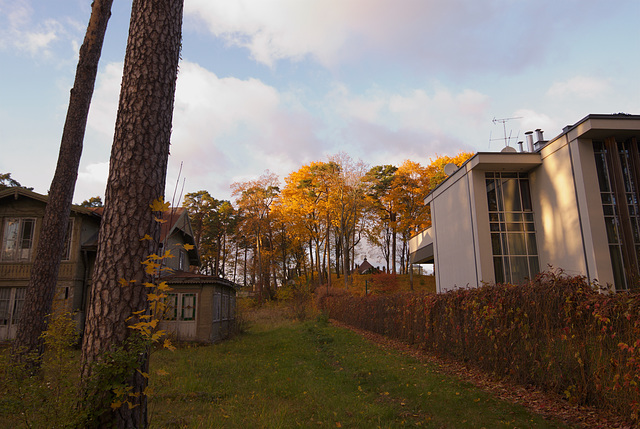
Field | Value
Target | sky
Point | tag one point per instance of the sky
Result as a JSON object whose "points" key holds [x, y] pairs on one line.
{"points": [[276, 84]]}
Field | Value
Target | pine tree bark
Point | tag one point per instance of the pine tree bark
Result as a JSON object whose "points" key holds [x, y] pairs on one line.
{"points": [[137, 173], [44, 273]]}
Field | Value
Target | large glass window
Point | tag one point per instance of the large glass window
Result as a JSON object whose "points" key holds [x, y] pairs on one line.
{"points": [[17, 239], [513, 235], [618, 169]]}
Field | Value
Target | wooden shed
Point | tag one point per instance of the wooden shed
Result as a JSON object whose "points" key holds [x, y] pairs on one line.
{"points": [[202, 308]]}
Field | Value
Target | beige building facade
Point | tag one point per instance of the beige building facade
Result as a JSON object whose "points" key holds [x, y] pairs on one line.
{"points": [[571, 203]]}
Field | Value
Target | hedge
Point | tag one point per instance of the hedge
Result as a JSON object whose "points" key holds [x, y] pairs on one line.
{"points": [[557, 333]]}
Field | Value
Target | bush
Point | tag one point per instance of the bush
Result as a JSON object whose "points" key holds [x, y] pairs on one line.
{"points": [[48, 398], [557, 333]]}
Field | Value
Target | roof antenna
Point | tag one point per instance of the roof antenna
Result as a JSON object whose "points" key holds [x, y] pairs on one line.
{"points": [[503, 121]]}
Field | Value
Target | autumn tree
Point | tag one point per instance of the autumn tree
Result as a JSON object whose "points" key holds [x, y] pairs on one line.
{"points": [[213, 223], [435, 169], [254, 200], [411, 184], [347, 201], [136, 178], [383, 229], [410, 187], [46, 264]]}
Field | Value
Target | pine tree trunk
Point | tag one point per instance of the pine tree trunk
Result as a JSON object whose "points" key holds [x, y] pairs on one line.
{"points": [[136, 178], [44, 273]]}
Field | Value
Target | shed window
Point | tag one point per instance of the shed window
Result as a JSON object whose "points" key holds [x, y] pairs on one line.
{"points": [[181, 306]]}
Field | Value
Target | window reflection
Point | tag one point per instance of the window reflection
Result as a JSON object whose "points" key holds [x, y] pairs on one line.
{"points": [[513, 239]]}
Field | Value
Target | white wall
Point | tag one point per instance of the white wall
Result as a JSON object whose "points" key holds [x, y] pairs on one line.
{"points": [[455, 264], [555, 207]]}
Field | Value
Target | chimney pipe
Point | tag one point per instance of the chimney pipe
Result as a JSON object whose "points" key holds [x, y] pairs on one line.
{"points": [[539, 135], [520, 146], [529, 137]]}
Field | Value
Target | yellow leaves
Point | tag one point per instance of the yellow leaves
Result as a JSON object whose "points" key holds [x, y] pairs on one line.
{"points": [[154, 257], [124, 282], [163, 286], [168, 345], [146, 237], [159, 205], [150, 267], [157, 335], [188, 247], [162, 372], [157, 219], [156, 297]]}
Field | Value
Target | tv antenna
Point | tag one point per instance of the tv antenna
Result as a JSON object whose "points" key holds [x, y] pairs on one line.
{"points": [[503, 121]]}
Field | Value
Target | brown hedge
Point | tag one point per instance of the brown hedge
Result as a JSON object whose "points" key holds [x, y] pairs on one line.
{"points": [[557, 333]]}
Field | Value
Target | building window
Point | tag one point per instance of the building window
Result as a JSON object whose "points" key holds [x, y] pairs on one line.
{"points": [[17, 239], [182, 257], [188, 306], [181, 306], [513, 235], [618, 169], [11, 301], [66, 252], [217, 305]]}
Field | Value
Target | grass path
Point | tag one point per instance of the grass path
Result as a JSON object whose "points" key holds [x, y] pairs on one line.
{"points": [[287, 375]]}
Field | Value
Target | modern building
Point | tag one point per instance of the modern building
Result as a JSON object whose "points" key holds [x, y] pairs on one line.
{"points": [[571, 203]]}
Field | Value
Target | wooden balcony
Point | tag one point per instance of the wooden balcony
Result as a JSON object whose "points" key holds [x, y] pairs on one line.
{"points": [[16, 271]]}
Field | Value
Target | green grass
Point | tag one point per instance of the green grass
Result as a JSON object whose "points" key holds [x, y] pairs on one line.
{"points": [[314, 375]]}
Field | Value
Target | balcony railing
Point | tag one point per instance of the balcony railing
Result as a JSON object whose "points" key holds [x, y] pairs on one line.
{"points": [[14, 271]]}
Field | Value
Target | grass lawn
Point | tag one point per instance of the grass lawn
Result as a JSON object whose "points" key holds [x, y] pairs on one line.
{"points": [[283, 374]]}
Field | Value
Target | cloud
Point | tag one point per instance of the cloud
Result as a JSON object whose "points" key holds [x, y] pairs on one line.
{"points": [[532, 120], [104, 104], [19, 32], [583, 87], [416, 121], [457, 35], [222, 127], [228, 128], [92, 181]]}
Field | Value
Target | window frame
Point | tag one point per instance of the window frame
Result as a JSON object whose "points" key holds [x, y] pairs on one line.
{"points": [[176, 308], [512, 230], [16, 254]]}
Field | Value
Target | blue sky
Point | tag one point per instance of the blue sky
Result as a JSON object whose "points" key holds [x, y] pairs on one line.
{"points": [[275, 84]]}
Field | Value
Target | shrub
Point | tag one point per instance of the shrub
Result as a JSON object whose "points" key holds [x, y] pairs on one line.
{"points": [[48, 398], [384, 283], [557, 333]]}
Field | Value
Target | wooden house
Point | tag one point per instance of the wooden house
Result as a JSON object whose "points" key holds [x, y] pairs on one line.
{"points": [[203, 306], [21, 214]]}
